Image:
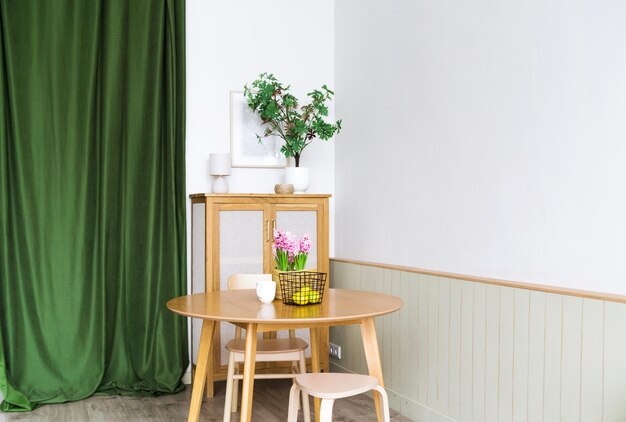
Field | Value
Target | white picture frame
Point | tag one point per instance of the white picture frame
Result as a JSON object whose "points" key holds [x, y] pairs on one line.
{"points": [[245, 149]]}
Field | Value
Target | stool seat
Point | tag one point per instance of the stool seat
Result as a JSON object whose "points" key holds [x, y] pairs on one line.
{"points": [[330, 386], [335, 385]]}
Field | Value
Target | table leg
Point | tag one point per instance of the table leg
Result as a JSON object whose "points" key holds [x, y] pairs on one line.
{"points": [[315, 365], [206, 338], [248, 373], [372, 355], [209, 388]]}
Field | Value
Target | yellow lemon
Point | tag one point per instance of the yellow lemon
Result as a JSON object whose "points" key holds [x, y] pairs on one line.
{"points": [[314, 297], [300, 299]]}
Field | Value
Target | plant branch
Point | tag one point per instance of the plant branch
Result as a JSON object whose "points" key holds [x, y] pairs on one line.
{"points": [[297, 126]]}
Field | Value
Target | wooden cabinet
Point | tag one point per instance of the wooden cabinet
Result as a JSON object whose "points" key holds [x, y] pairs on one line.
{"points": [[232, 233]]}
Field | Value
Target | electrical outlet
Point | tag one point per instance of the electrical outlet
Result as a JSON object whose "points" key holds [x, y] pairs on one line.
{"points": [[334, 351]]}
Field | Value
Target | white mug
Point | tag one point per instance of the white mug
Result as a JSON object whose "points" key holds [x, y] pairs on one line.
{"points": [[266, 291]]}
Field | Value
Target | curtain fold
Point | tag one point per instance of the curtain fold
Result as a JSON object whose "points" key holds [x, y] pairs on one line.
{"points": [[92, 199]]}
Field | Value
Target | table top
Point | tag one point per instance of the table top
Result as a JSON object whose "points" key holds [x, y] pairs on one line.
{"points": [[243, 306]]}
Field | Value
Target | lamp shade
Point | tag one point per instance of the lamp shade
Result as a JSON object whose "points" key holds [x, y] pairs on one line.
{"points": [[219, 164]]}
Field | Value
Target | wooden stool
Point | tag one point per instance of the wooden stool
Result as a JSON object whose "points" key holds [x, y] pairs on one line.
{"points": [[332, 386]]}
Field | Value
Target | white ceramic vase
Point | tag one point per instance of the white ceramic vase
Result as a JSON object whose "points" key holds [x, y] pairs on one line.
{"points": [[298, 177]]}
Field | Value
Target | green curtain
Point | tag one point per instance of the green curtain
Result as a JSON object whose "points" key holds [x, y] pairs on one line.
{"points": [[92, 199]]}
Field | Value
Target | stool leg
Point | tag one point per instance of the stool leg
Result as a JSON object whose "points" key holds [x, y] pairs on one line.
{"points": [[383, 394], [229, 387], [326, 410], [306, 411], [235, 390], [292, 416]]}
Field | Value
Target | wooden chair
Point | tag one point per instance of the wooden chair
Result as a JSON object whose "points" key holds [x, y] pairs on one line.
{"points": [[332, 386], [268, 350]]}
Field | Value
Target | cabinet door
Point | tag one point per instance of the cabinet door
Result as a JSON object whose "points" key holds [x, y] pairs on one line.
{"points": [[242, 247], [241, 242], [300, 219], [237, 238], [305, 218]]}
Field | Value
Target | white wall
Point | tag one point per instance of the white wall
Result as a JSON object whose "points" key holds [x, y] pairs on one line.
{"points": [[228, 44], [484, 138]]}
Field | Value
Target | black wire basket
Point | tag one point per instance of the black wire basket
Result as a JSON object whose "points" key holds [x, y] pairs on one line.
{"points": [[302, 287]]}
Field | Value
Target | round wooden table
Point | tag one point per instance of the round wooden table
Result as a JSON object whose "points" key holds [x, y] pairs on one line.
{"points": [[241, 307]]}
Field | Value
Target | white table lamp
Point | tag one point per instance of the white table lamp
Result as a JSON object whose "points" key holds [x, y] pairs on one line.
{"points": [[219, 165]]}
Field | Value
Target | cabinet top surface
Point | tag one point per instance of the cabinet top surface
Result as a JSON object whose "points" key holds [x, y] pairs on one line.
{"points": [[260, 195], [243, 306]]}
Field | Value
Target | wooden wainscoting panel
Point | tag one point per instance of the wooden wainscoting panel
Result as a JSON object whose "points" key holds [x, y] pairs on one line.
{"points": [[592, 360], [536, 354], [467, 347], [349, 351], [397, 336], [408, 325], [358, 281], [443, 322], [433, 343], [520, 355], [462, 350], [386, 346], [492, 353], [384, 335], [422, 340], [553, 346], [371, 278], [571, 358], [454, 371], [505, 378], [339, 335], [479, 351], [340, 271], [614, 362], [387, 333]]}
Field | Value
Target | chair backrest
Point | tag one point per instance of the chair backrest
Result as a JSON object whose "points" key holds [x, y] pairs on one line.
{"points": [[246, 281]]}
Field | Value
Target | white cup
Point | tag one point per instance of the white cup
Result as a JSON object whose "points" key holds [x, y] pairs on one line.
{"points": [[266, 291]]}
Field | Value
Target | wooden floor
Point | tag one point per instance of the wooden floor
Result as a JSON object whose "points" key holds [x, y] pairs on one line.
{"points": [[270, 404]]}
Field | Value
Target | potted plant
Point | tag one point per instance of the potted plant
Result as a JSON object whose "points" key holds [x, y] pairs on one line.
{"points": [[290, 254], [296, 125]]}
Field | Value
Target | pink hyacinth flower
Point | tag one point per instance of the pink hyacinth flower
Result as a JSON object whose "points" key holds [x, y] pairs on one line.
{"points": [[280, 239], [305, 244]]}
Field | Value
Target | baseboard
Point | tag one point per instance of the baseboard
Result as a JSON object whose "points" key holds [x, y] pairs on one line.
{"points": [[404, 405]]}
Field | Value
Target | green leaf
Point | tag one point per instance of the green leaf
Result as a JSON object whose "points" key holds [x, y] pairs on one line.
{"points": [[284, 118]]}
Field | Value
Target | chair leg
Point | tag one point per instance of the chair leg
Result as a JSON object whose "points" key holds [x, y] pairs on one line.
{"points": [[306, 411], [326, 410], [292, 416], [295, 369], [235, 391], [298, 402], [383, 394], [229, 387]]}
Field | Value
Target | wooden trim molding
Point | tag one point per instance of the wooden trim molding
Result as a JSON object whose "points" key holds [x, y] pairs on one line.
{"points": [[259, 195], [486, 280]]}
